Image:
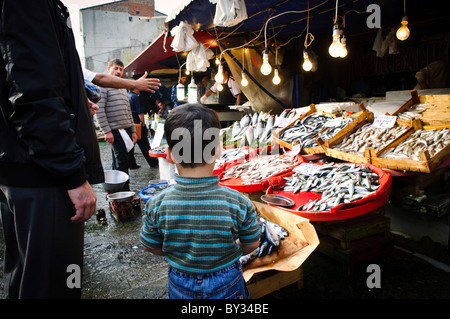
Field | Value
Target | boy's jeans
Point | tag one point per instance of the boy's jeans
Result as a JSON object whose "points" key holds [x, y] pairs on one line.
{"points": [[227, 283]]}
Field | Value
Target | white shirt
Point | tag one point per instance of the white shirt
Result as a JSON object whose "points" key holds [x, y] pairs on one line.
{"points": [[88, 75]]}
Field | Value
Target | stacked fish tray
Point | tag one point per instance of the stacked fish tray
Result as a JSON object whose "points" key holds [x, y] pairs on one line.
{"points": [[419, 149], [304, 131], [355, 143], [432, 110]]}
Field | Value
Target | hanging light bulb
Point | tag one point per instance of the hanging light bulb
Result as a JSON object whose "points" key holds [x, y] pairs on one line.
{"points": [[276, 78], [403, 31], [219, 87], [217, 61], [335, 46], [187, 72], [219, 75], [265, 67], [307, 65], [244, 81], [343, 51]]}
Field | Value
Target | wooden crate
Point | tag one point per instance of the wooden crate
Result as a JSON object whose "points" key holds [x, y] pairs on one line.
{"points": [[425, 164], [356, 239], [310, 150], [327, 146], [437, 113], [268, 282]]}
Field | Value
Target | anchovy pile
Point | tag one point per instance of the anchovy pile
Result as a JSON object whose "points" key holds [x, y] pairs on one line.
{"points": [[332, 131], [304, 130], [158, 150], [432, 140], [231, 154], [256, 128], [367, 136], [343, 183], [271, 236], [259, 168], [412, 112]]}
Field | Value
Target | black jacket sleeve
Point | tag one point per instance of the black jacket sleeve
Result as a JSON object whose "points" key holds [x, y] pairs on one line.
{"points": [[32, 45]]}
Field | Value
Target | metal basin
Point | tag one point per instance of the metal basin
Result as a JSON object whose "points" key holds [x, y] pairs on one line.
{"points": [[121, 196], [114, 180]]}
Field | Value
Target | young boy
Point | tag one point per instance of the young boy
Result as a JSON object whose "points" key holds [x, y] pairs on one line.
{"points": [[202, 228]]}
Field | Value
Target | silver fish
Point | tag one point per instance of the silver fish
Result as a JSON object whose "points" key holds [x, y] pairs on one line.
{"points": [[337, 183]]}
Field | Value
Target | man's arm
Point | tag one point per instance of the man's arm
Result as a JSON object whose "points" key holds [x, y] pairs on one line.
{"points": [[142, 84]]}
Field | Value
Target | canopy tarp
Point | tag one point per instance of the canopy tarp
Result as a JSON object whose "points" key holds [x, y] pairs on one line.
{"points": [[159, 54]]}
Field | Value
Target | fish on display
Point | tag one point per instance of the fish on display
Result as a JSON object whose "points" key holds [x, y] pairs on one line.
{"points": [[332, 131], [257, 128], [272, 235], [257, 169], [158, 150], [343, 183], [432, 140], [412, 112], [368, 136], [231, 154], [304, 130]]}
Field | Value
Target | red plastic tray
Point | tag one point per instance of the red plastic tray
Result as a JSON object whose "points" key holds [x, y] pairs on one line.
{"points": [[236, 183], [345, 210]]}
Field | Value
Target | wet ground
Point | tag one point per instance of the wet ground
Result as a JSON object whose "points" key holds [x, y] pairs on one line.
{"points": [[117, 267]]}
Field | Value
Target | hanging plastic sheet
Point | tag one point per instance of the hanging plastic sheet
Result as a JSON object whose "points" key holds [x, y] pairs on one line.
{"points": [[229, 12], [183, 38], [198, 59]]}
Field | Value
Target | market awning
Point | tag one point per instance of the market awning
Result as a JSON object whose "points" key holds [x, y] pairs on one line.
{"points": [[159, 54], [289, 18]]}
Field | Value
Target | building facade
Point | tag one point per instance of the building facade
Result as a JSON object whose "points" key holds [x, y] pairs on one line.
{"points": [[120, 29]]}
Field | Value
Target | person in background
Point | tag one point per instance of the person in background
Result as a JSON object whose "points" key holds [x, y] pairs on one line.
{"points": [[203, 86], [110, 81], [113, 115], [434, 76], [49, 152], [230, 94], [163, 108], [143, 142], [202, 228], [182, 79]]}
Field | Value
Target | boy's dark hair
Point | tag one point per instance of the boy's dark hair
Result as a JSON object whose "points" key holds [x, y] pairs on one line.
{"points": [[115, 61], [187, 124]]}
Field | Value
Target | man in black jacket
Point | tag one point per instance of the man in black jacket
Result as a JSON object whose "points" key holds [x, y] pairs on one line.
{"points": [[49, 153]]}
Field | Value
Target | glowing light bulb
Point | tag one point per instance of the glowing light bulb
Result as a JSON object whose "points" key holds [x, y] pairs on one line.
{"points": [[244, 81], [343, 51], [403, 31], [217, 61], [219, 75], [335, 46], [276, 79], [265, 67], [187, 72], [307, 65], [219, 87]]}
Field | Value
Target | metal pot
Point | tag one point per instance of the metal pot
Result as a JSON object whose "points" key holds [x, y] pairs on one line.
{"points": [[114, 181]]}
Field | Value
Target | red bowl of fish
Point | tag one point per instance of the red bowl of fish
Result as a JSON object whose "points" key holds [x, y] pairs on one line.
{"points": [[341, 211], [240, 184]]}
